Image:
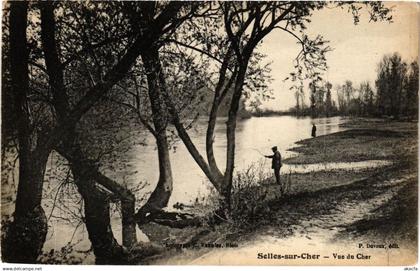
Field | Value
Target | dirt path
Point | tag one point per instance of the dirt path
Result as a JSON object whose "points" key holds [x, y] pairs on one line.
{"points": [[348, 212], [317, 236]]}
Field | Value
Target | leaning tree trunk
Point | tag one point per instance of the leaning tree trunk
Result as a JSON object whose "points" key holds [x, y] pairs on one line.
{"points": [[220, 92], [97, 216], [231, 135], [182, 133], [72, 152], [127, 200], [87, 177], [25, 236], [160, 196], [210, 140]]}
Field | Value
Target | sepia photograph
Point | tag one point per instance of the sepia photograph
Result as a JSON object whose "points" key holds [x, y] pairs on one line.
{"points": [[223, 133]]}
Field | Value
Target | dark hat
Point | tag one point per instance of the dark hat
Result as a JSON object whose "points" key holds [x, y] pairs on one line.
{"points": [[274, 148]]}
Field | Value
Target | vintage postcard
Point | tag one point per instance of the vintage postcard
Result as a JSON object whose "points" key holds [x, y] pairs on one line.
{"points": [[209, 133]]}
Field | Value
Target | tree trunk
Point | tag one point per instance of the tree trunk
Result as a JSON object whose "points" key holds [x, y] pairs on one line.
{"points": [[231, 135], [129, 236], [220, 92], [210, 140], [88, 172], [26, 234], [127, 200], [97, 216], [160, 196]]}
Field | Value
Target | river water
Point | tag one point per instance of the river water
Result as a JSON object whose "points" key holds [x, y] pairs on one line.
{"points": [[254, 137]]}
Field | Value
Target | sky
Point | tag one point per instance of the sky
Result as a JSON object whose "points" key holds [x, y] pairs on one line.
{"points": [[357, 49]]}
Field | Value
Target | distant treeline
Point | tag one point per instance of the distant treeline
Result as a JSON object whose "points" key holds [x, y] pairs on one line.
{"points": [[395, 94], [396, 91], [270, 112]]}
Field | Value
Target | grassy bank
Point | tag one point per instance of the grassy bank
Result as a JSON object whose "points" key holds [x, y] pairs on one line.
{"points": [[358, 144], [370, 204]]}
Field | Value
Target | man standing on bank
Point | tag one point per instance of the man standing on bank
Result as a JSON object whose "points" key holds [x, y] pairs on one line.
{"points": [[275, 163], [313, 130]]}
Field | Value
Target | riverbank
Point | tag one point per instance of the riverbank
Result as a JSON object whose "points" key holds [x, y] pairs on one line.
{"points": [[370, 205]]}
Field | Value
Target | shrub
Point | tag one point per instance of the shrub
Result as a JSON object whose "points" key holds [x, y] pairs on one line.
{"points": [[66, 255], [249, 194]]}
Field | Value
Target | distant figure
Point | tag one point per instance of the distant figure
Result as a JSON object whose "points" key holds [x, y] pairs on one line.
{"points": [[313, 130], [275, 163]]}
